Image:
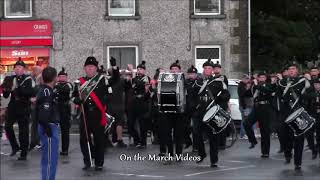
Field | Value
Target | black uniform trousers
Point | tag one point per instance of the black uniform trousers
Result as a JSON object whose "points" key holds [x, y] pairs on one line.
{"points": [[65, 118], [223, 139], [310, 139], [188, 128], [34, 139], [317, 127], [18, 112], [137, 114], [172, 123], [277, 128], [162, 124], [261, 113], [93, 116], [291, 142], [214, 139]]}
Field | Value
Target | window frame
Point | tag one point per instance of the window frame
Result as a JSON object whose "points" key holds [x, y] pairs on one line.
{"points": [[196, 60], [206, 14], [121, 15], [11, 17], [122, 46]]}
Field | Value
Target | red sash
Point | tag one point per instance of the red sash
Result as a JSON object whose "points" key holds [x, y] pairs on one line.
{"points": [[96, 100]]}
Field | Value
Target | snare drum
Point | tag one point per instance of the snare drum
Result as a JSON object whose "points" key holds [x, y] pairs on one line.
{"points": [[217, 119], [300, 121]]}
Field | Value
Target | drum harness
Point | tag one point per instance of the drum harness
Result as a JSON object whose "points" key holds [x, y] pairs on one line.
{"points": [[296, 98], [203, 87]]}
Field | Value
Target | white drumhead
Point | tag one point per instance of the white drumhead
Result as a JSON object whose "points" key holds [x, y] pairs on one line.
{"points": [[294, 115], [211, 112]]}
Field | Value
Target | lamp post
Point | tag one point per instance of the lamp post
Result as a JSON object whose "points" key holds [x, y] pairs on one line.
{"points": [[249, 37]]}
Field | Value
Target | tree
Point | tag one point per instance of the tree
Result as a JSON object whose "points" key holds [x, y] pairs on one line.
{"points": [[283, 29]]}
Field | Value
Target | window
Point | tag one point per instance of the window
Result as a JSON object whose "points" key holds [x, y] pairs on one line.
{"points": [[124, 55], [204, 52], [207, 7], [121, 7], [233, 90], [17, 8]]}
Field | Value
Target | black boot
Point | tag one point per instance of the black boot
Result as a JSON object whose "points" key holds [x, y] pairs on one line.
{"points": [[188, 143], [14, 152], [288, 160], [213, 165], [121, 144], [86, 167], [22, 158], [98, 168], [253, 145], [280, 151], [314, 154], [64, 153], [23, 155], [297, 168], [201, 158]]}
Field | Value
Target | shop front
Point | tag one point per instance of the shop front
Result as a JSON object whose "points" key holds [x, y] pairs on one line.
{"points": [[29, 40]]}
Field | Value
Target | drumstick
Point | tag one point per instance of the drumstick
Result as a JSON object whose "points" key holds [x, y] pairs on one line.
{"points": [[213, 101]]}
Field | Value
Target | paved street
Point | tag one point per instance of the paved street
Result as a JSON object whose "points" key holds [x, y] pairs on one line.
{"points": [[235, 163]]}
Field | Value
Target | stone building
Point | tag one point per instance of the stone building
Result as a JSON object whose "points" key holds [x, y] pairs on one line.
{"points": [[157, 31]]}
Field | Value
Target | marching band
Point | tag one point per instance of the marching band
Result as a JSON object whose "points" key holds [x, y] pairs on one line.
{"points": [[179, 109]]}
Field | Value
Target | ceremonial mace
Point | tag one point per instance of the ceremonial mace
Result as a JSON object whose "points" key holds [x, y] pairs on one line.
{"points": [[77, 83]]}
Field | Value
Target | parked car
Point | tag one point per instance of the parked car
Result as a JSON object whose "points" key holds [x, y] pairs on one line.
{"points": [[234, 101]]}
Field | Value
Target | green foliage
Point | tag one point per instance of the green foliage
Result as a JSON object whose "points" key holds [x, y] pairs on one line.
{"points": [[284, 29]]}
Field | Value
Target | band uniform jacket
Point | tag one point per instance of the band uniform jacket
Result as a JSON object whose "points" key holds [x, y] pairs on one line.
{"points": [[101, 90], [138, 86], [191, 95], [292, 93], [63, 92], [21, 91], [313, 103], [208, 90], [263, 93]]}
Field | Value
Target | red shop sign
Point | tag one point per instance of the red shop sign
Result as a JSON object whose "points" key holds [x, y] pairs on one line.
{"points": [[24, 52], [25, 28], [26, 42]]}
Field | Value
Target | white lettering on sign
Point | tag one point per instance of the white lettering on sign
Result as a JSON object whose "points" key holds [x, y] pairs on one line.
{"points": [[15, 42], [40, 26], [19, 53]]}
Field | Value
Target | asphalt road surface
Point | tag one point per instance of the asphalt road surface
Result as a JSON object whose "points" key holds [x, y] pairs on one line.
{"points": [[238, 162]]}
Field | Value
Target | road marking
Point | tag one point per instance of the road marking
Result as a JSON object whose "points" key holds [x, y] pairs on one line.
{"points": [[139, 175], [220, 170], [122, 174], [143, 175], [202, 165], [74, 134], [236, 161], [6, 154], [277, 159]]}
